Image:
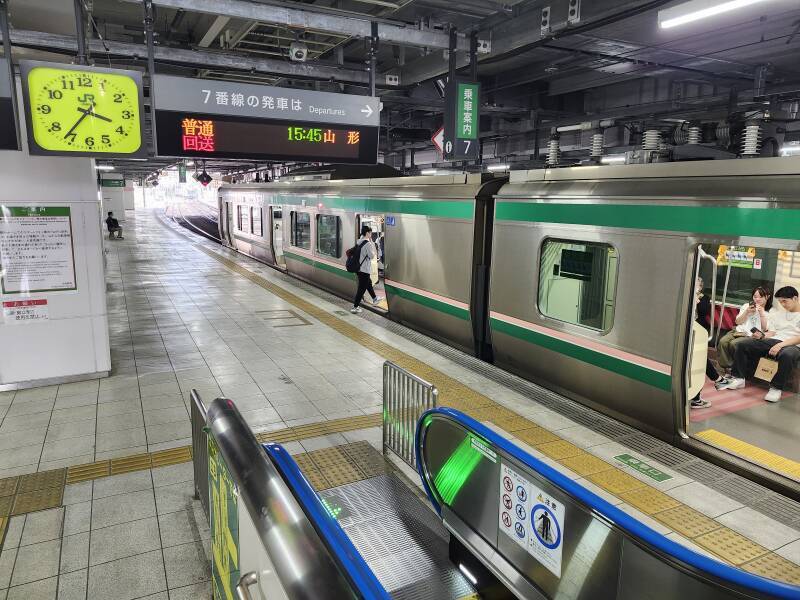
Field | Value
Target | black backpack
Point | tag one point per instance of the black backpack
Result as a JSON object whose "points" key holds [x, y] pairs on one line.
{"points": [[352, 264]]}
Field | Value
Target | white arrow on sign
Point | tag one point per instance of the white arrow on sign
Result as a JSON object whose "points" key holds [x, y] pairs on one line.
{"points": [[438, 139], [367, 110]]}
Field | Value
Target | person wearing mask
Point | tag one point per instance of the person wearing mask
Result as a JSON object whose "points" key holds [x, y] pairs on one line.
{"points": [[113, 227], [779, 343], [752, 317], [367, 253]]}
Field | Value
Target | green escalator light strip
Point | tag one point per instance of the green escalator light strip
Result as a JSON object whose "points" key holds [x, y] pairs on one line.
{"points": [[456, 471]]}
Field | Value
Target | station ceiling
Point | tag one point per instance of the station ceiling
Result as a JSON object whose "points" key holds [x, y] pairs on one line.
{"points": [[612, 62]]}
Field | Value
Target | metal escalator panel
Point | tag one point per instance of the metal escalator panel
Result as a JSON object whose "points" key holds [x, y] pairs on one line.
{"points": [[544, 536]]}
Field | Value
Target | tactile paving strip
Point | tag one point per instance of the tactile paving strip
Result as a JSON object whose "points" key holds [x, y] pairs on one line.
{"points": [[453, 393], [585, 464], [751, 452], [559, 449], [687, 521], [37, 500], [775, 567], [730, 546], [649, 501]]}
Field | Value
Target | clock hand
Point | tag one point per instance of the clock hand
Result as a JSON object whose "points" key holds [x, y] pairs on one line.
{"points": [[91, 112], [78, 122]]}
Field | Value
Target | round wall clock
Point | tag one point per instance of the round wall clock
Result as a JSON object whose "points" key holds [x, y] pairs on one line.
{"points": [[82, 110]]}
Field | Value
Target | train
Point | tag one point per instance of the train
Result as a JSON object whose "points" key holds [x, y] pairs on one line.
{"points": [[580, 279]]}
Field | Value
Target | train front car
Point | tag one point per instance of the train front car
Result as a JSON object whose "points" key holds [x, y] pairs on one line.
{"points": [[599, 280]]}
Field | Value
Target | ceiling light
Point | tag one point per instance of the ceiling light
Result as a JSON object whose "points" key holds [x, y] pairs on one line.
{"points": [[104, 167], [613, 159], [498, 167], [428, 172], [698, 9]]}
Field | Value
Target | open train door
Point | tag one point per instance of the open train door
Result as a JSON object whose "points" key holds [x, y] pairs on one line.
{"points": [[378, 225], [276, 235]]}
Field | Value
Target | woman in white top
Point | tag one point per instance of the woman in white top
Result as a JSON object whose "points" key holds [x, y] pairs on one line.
{"points": [[752, 315]]}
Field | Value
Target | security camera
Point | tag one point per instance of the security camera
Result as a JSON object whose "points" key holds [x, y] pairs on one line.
{"points": [[298, 52]]}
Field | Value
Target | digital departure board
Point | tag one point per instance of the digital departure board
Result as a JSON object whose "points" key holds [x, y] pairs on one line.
{"points": [[196, 135]]}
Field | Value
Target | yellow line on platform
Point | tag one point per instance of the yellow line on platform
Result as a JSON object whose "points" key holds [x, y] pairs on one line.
{"points": [[750, 452]]}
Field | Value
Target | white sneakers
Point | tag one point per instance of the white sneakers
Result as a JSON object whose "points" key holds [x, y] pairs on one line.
{"points": [[734, 383], [773, 395], [356, 310], [377, 300]]}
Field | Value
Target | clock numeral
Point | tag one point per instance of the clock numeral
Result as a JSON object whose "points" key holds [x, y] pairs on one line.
{"points": [[118, 98], [67, 84], [45, 109], [55, 126], [55, 94], [120, 130], [70, 137], [89, 141], [105, 139], [126, 114], [85, 82]]}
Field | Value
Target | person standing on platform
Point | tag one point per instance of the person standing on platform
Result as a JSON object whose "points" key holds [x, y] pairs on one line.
{"points": [[113, 226], [367, 253]]}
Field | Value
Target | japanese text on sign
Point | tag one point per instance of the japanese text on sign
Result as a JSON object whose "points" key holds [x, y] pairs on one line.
{"points": [[198, 134], [467, 111], [36, 252], [22, 312], [224, 525]]}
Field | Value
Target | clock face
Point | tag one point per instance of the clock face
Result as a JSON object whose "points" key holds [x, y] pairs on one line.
{"points": [[84, 111]]}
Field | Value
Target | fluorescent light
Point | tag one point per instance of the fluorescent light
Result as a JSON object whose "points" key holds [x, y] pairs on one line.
{"points": [[467, 574], [498, 167], [790, 149], [104, 167], [699, 9], [428, 172], [613, 159]]}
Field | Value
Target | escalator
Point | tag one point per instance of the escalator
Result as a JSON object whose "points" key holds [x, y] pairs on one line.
{"points": [[504, 525]]}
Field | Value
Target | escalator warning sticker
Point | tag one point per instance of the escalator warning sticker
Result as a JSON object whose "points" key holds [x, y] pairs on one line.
{"points": [[532, 518]]}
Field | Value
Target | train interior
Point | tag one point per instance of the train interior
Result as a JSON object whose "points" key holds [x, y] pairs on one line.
{"points": [[741, 420]]}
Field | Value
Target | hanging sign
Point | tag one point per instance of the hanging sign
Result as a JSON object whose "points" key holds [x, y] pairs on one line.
{"points": [[741, 257], [532, 518], [462, 120], [181, 172], [36, 253], [8, 125]]}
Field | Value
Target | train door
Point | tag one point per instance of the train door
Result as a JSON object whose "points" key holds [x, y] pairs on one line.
{"points": [[276, 226], [229, 223], [378, 225]]}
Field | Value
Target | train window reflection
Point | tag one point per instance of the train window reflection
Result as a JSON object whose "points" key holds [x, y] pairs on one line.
{"points": [[577, 282], [329, 235], [301, 230]]}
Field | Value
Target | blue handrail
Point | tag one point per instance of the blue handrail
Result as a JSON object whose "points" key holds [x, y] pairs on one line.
{"points": [[344, 552], [624, 521]]}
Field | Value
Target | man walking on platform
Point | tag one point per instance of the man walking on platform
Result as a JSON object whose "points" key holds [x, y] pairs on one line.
{"points": [[366, 254]]}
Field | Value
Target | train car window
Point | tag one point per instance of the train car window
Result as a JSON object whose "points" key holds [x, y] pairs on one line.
{"points": [[239, 217], [301, 230], [256, 220], [577, 282], [329, 235]]}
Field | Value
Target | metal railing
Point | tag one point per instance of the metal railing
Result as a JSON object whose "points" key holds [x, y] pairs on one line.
{"points": [[200, 451], [405, 398]]}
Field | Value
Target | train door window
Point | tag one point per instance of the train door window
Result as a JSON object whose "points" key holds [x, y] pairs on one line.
{"points": [[244, 219], [577, 282], [329, 235], [277, 235], [301, 230], [256, 221], [239, 217]]}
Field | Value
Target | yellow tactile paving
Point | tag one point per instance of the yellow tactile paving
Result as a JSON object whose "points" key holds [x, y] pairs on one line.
{"points": [[559, 449], [752, 453], [41, 480], [585, 464], [512, 424], [8, 486], [687, 521], [127, 464], [41, 499], [6, 503], [78, 473], [730, 546], [682, 519], [649, 500], [776, 567], [3, 529], [173, 456]]}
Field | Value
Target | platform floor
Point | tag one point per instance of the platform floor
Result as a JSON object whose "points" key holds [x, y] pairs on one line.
{"points": [[112, 498]]}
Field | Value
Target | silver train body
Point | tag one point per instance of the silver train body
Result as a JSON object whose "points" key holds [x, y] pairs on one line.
{"points": [[465, 257]]}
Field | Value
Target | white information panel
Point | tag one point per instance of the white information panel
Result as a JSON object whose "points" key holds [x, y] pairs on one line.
{"points": [[532, 518], [36, 253]]}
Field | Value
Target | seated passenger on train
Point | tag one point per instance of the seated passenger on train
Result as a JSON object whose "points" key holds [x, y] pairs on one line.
{"points": [[781, 342], [752, 317]]}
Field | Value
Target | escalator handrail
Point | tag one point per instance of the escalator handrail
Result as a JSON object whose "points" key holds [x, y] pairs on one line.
{"points": [[342, 549], [624, 521]]}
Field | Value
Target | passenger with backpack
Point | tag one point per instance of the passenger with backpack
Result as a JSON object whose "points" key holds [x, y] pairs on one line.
{"points": [[359, 261]]}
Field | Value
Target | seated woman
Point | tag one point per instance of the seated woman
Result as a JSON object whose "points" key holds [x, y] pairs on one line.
{"points": [[752, 315], [781, 343]]}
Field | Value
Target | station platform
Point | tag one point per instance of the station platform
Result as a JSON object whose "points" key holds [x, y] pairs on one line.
{"points": [[96, 498]]}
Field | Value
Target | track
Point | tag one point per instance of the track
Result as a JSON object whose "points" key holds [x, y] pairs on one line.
{"points": [[196, 217]]}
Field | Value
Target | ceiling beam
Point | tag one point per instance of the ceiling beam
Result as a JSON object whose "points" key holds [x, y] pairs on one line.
{"points": [[358, 27], [213, 31], [197, 58]]}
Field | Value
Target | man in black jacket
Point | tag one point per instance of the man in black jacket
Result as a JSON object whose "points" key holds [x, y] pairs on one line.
{"points": [[113, 227]]}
